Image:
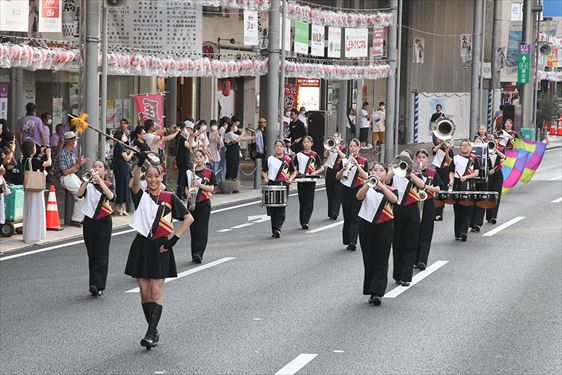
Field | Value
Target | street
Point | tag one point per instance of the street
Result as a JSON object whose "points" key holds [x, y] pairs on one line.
{"points": [[259, 305]]}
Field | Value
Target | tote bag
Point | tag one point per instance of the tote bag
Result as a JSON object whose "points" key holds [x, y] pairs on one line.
{"points": [[33, 180]]}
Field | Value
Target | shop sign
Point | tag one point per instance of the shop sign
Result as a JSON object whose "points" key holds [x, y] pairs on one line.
{"points": [[150, 107], [378, 42], [334, 42], [317, 43], [4, 100], [301, 37], [523, 64], [251, 36], [356, 42], [50, 16], [308, 82], [14, 15], [291, 95]]}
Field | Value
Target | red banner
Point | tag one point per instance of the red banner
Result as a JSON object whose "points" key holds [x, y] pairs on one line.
{"points": [[291, 95], [150, 107]]}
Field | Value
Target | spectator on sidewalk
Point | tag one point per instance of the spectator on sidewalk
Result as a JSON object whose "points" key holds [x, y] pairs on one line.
{"points": [[65, 168], [30, 127], [57, 138], [232, 141], [47, 121], [223, 124], [185, 140], [260, 139], [6, 136], [215, 145], [379, 125], [350, 127], [297, 132], [121, 168], [34, 224], [302, 117], [363, 121]]}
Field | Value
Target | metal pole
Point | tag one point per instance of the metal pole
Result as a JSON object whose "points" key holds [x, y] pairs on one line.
{"points": [[527, 88], [282, 73], [172, 100], [103, 114], [343, 100], [397, 85], [389, 147], [482, 49], [536, 81], [496, 35], [476, 67], [92, 78], [273, 75]]}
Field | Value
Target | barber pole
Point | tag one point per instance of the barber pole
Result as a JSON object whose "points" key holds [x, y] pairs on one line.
{"points": [[416, 115], [490, 111]]}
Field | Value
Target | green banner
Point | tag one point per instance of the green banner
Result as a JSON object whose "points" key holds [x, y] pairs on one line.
{"points": [[523, 68], [301, 37]]}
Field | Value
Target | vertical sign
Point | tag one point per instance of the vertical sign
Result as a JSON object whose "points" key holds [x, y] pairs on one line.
{"points": [[4, 100], [287, 33], [291, 91], [523, 63], [150, 107], [378, 42], [50, 16], [251, 35], [301, 37], [466, 48], [317, 41], [14, 15], [356, 41], [334, 42]]}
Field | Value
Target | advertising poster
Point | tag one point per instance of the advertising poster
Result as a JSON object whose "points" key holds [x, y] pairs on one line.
{"points": [[356, 42], [301, 37], [317, 41], [14, 15], [251, 34], [57, 111], [110, 113], [50, 16], [466, 48], [4, 100], [334, 42], [377, 49], [291, 96]]}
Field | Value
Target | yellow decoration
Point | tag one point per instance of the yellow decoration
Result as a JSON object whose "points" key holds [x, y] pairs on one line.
{"points": [[80, 124]]}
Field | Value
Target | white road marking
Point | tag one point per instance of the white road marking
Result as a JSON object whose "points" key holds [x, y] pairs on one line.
{"points": [[338, 351], [189, 272], [325, 227], [557, 200], [555, 178], [224, 230], [503, 226], [296, 364], [259, 218], [242, 225], [416, 279]]}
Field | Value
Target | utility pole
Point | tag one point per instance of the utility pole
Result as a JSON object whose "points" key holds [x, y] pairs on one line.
{"points": [[103, 114], [389, 151], [282, 72], [92, 78], [273, 75], [171, 101], [342, 99], [496, 35], [476, 66], [527, 88]]}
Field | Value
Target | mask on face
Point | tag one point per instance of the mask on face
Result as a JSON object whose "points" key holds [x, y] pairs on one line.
{"points": [[382, 106], [203, 128], [235, 129], [214, 128], [49, 121]]}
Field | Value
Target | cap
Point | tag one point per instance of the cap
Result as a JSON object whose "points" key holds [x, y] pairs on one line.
{"points": [[189, 124]]}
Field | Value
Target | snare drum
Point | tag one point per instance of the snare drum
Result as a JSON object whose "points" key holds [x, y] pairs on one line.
{"points": [[446, 197], [307, 178], [487, 199], [274, 196]]}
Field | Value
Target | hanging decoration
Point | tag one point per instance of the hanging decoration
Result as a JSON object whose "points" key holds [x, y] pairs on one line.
{"points": [[237, 4], [336, 72], [553, 40], [39, 58], [319, 16], [553, 76]]}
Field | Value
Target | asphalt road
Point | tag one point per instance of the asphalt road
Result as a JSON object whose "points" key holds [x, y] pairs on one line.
{"points": [[492, 304]]}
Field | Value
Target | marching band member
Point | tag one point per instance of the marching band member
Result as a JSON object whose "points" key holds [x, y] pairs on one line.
{"points": [[406, 223], [507, 136], [495, 182], [97, 224], [333, 158], [279, 170], [464, 168], [151, 258], [307, 163], [482, 135], [351, 177], [432, 186], [477, 217], [204, 185], [375, 232], [443, 155]]}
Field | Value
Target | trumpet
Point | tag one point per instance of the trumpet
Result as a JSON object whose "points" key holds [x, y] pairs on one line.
{"points": [[402, 165], [330, 143], [347, 169], [423, 195], [372, 181], [150, 161], [88, 175]]}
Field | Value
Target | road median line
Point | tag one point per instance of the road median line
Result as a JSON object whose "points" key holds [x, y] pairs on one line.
{"points": [[503, 226]]}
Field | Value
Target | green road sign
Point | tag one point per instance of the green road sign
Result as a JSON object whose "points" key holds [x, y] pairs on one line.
{"points": [[523, 67]]}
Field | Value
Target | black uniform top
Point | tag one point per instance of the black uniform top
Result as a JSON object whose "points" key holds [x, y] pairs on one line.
{"points": [[284, 167], [297, 130], [471, 166], [36, 164], [436, 116], [183, 155]]}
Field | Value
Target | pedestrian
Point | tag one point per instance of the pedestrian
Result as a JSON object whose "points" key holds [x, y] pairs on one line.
{"points": [[351, 177], [363, 121], [260, 139], [279, 170], [151, 257], [4, 191], [215, 145], [307, 163], [333, 163], [297, 131], [202, 181], [463, 170], [31, 127], [406, 220], [432, 186], [65, 168], [97, 193], [378, 120], [223, 124], [57, 138], [34, 225], [121, 168], [232, 141], [5, 134], [350, 126], [47, 121], [375, 232]]}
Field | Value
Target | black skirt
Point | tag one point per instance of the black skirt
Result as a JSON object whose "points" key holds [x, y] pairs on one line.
{"points": [[147, 262]]}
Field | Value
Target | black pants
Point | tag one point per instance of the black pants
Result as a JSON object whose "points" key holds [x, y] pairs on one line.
{"points": [[477, 217], [405, 240], [182, 183], [376, 240], [333, 192], [495, 183], [277, 215], [199, 229], [306, 200], [97, 235], [232, 156], [426, 231], [444, 176], [462, 219], [351, 207]]}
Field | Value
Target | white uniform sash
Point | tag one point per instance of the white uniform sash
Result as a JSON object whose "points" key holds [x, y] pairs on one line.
{"points": [[91, 201], [370, 205], [144, 215]]}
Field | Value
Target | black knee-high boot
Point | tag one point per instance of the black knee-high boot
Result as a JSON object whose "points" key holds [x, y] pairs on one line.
{"points": [[149, 340], [147, 308]]}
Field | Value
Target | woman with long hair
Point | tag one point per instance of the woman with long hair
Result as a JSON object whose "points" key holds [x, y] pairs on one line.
{"points": [[97, 225], [232, 142], [333, 163], [307, 163], [121, 169]]}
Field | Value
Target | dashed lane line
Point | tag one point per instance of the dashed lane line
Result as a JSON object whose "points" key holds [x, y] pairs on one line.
{"points": [[503, 226], [416, 279], [557, 200], [324, 227], [296, 364]]}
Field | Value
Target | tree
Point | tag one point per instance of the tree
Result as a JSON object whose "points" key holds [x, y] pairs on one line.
{"points": [[548, 109]]}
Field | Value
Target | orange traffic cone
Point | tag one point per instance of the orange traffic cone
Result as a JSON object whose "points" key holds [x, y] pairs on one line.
{"points": [[52, 215]]}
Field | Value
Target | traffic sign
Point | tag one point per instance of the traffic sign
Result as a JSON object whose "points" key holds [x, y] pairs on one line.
{"points": [[523, 68]]}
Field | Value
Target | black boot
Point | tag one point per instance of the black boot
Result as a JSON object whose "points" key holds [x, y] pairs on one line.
{"points": [[147, 308], [149, 340]]}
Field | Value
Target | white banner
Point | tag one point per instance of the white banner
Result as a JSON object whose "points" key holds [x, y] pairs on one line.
{"points": [[287, 34], [251, 37], [50, 16], [14, 15], [317, 43], [334, 42], [466, 48], [356, 42]]}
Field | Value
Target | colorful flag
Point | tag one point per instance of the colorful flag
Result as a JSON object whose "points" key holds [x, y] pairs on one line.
{"points": [[513, 167], [534, 160]]}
